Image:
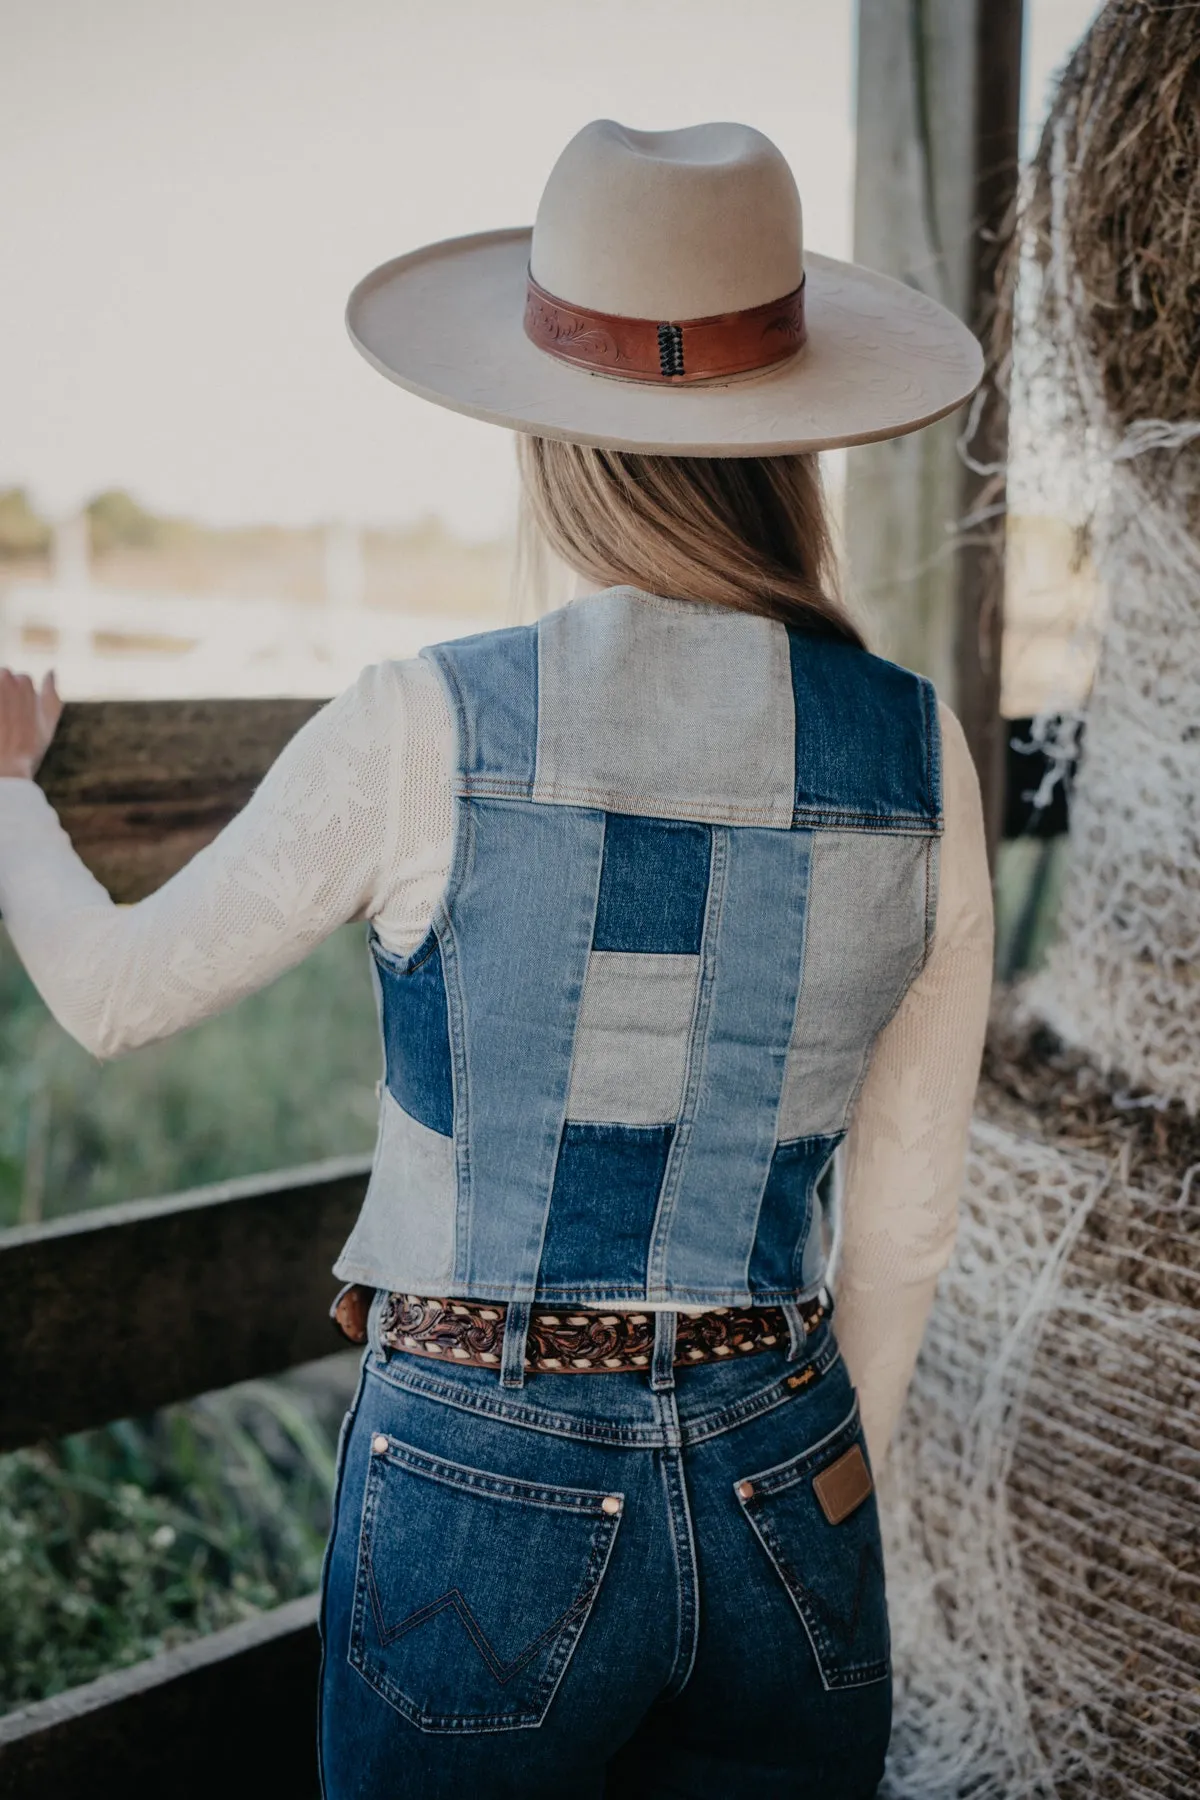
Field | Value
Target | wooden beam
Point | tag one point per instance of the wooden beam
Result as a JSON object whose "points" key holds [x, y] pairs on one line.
{"points": [[141, 785], [979, 613], [232, 1714], [128, 1308], [937, 123]]}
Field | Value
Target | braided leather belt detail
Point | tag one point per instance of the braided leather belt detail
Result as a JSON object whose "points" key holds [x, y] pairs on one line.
{"points": [[472, 1331]]}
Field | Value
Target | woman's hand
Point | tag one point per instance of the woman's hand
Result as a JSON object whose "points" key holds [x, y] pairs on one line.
{"points": [[28, 717]]}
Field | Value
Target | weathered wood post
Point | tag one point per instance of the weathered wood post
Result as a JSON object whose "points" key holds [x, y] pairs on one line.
{"points": [[938, 100]]}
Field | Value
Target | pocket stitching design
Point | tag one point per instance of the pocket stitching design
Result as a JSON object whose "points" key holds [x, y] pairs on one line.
{"points": [[567, 1629], [817, 1627], [815, 1614], [503, 1672]]}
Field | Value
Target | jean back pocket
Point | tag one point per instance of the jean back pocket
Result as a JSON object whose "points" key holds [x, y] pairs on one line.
{"points": [[817, 1519], [472, 1588]]}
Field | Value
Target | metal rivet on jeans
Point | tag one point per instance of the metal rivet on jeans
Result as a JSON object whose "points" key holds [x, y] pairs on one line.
{"points": [[379, 1444], [745, 1490], [611, 1503]]}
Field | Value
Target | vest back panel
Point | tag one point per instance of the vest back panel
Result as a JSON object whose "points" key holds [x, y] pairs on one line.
{"points": [[695, 871]]}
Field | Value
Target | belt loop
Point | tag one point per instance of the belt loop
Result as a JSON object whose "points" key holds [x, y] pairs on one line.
{"points": [[379, 1300], [662, 1363], [512, 1350], [797, 1330]]}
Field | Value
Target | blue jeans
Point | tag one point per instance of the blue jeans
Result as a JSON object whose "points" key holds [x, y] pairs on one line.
{"points": [[585, 1587]]}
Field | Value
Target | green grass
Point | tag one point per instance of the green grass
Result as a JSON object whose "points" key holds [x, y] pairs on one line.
{"points": [[285, 1077], [120, 1543]]}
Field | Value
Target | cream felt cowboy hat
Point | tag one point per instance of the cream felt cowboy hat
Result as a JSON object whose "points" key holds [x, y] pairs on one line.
{"points": [[663, 302]]}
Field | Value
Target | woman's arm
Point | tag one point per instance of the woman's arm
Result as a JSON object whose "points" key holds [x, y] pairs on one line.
{"points": [[906, 1149], [321, 841]]}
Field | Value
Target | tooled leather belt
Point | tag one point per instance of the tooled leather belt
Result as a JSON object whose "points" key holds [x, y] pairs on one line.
{"points": [[472, 1331]]}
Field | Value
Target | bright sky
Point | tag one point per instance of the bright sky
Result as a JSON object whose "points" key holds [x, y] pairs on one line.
{"points": [[188, 192]]}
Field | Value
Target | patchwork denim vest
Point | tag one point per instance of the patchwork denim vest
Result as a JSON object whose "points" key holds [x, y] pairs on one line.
{"points": [[694, 872]]}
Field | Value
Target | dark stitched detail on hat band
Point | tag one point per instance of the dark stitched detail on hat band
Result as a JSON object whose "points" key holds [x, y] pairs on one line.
{"points": [[670, 349], [722, 344]]}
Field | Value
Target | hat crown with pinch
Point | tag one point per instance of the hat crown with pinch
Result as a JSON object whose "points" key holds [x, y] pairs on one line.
{"points": [[664, 302], [669, 225]]}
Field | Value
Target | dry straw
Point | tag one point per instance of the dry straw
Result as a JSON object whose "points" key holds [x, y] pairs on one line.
{"points": [[1124, 130]]}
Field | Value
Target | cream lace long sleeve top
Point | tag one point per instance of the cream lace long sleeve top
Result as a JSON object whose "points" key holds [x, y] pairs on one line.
{"points": [[353, 821]]}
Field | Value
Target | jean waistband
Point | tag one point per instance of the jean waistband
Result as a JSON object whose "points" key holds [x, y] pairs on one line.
{"points": [[703, 1400]]}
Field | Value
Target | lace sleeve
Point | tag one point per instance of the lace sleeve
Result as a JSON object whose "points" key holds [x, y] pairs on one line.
{"points": [[350, 822], [906, 1149]]}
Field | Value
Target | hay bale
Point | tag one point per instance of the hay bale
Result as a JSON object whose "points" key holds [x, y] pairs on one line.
{"points": [[1042, 1502], [1113, 227], [1043, 1498], [1116, 200]]}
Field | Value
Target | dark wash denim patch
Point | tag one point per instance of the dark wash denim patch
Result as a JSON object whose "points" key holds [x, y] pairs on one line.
{"points": [[559, 1590]]}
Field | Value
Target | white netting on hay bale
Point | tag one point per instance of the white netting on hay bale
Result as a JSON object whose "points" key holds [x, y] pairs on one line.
{"points": [[1041, 1503], [1123, 978], [1112, 334]]}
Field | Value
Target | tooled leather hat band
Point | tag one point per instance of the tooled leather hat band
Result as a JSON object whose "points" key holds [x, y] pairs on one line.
{"points": [[663, 350]]}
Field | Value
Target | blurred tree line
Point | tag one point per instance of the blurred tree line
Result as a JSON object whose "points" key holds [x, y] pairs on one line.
{"points": [[115, 518]]}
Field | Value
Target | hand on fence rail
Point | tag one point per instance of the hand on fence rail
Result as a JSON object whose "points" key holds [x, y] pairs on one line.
{"points": [[28, 719]]}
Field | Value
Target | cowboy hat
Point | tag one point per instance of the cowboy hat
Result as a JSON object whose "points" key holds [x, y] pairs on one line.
{"points": [[663, 302]]}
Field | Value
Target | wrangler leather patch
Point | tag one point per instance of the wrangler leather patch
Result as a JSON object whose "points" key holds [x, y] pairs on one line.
{"points": [[844, 1485]]}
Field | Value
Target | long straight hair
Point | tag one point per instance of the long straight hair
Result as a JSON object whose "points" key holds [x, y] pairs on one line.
{"points": [[748, 532]]}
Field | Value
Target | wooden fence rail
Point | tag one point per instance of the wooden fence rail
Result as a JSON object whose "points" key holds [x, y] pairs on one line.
{"points": [[174, 1297], [226, 1716], [178, 1296], [141, 785]]}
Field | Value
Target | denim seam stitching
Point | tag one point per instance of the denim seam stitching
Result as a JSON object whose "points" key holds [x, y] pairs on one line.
{"points": [[633, 1437], [465, 747], [327, 1558], [714, 811], [781, 1476], [667, 1295], [555, 1497], [461, 1109], [799, 1247], [664, 1214], [603, 1536], [754, 1406], [810, 1607], [679, 1512], [398, 1373]]}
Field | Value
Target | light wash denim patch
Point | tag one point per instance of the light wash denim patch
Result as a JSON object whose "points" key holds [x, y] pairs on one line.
{"points": [[865, 941], [404, 1235], [631, 1042], [693, 720]]}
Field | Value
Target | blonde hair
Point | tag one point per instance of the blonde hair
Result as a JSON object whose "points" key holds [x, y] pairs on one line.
{"points": [[748, 532]]}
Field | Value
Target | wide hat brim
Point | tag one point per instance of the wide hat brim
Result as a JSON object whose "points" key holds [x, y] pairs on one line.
{"points": [[446, 322]]}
